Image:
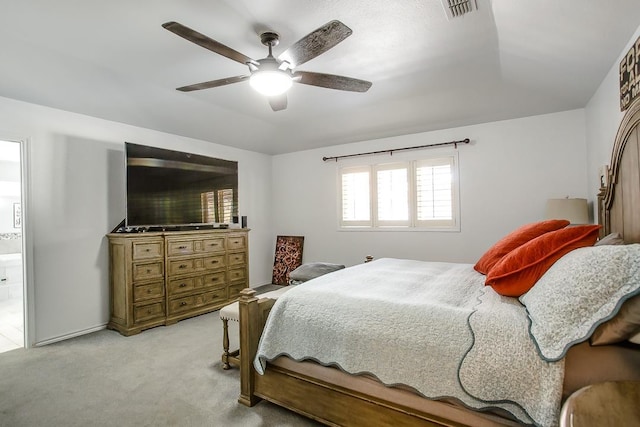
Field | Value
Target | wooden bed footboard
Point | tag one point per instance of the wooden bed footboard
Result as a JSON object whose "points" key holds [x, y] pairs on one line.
{"points": [[253, 316]]}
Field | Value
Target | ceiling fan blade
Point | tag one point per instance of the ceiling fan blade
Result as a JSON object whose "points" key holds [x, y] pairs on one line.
{"points": [[331, 81], [278, 102], [315, 43], [207, 42], [213, 83]]}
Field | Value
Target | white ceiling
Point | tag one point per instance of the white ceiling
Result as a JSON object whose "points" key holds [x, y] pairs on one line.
{"points": [[113, 60]]}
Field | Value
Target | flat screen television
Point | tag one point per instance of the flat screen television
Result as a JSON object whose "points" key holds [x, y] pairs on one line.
{"points": [[166, 188]]}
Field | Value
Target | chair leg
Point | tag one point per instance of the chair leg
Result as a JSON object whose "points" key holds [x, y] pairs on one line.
{"points": [[225, 344]]}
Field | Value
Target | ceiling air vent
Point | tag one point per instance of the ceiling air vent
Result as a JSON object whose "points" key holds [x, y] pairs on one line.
{"points": [[456, 8]]}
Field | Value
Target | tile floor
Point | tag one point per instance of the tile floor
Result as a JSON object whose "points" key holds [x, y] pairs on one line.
{"points": [[11, 324]]}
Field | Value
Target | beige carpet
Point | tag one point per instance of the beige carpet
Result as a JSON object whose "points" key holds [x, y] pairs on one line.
{"points": [[166, 376]]}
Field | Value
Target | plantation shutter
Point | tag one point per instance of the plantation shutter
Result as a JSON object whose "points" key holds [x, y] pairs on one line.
{"points": [[392, 181], [435, 196], [356, 197]]}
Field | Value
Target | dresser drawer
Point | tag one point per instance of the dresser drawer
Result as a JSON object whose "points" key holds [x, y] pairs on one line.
{"points": [[238, 258], [146, 250], [148, 312], [213, 279], [236, 274], [177, 286], [212, 297], [180, 247], [236, 242], [195, 246], [213, 262], [148, 291], [234, 290], [213, 245], [148, 270], [182, 266], [180, 305]]}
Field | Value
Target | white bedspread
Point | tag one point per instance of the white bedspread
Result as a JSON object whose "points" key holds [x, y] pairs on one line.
{"points": [[432, 326]]}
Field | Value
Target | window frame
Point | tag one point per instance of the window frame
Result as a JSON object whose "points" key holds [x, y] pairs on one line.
{"points": [[412, 224]]}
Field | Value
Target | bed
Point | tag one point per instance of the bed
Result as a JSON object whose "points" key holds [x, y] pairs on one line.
{"points": [[509, 356]]}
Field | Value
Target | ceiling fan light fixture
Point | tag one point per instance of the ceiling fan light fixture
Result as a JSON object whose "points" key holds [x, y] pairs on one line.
{"points": [[271, 76], [270, 82]]}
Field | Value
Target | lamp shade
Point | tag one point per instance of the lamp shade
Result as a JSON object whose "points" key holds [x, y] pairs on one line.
{"points": [[270, 82], [573, 210]]}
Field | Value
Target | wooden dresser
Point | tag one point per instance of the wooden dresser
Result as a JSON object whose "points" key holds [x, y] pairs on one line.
{"points": [[158, 278]]}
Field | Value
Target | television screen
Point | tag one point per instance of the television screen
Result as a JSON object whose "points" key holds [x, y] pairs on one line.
{"points": [[172, 188]]}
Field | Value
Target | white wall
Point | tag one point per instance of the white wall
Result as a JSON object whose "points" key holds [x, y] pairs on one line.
{"points": [[603, 117], [76, 196], [506, 174]]}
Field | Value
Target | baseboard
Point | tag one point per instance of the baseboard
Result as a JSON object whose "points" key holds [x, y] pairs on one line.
{"points": [[71, 335]]}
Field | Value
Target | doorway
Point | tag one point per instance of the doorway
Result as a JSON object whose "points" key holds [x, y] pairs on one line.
{"points": [[12, 317]]}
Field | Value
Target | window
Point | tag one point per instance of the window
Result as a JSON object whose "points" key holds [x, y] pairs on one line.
{"points": [[417, 194]]}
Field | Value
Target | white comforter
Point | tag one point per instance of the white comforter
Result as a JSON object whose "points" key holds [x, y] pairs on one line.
{"points": [[432, 326]]}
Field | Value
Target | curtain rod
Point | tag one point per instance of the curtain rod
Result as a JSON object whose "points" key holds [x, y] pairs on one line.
{"points": [[390, 151]]}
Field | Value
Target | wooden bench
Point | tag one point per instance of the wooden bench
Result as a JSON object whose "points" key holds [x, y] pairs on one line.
{"points": [[231, 312]]}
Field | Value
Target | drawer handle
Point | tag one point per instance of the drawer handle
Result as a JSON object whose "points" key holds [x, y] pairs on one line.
{"points": [[148, 250], [182, 247], [214, 296], [214, 279], [183, 266], [183, 303], [148, 291], [149, 311], [215, 261], [148, 270], [182, 285]]}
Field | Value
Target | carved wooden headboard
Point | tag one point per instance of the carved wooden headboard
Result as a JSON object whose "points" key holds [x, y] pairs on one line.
{"points": [[619, 200]]}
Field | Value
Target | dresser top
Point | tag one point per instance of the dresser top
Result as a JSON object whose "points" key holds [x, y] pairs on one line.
{"points": [[209, 231]]}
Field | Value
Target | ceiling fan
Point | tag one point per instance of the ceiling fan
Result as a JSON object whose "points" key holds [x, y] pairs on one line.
{"points": [[274, 76]]}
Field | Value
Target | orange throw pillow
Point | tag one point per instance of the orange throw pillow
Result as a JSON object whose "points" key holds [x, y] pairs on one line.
{"points": [[515, 239], [521, 268]]}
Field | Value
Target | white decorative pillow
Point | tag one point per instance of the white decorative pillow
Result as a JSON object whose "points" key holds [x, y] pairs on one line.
{"points": [[583, 289]]}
